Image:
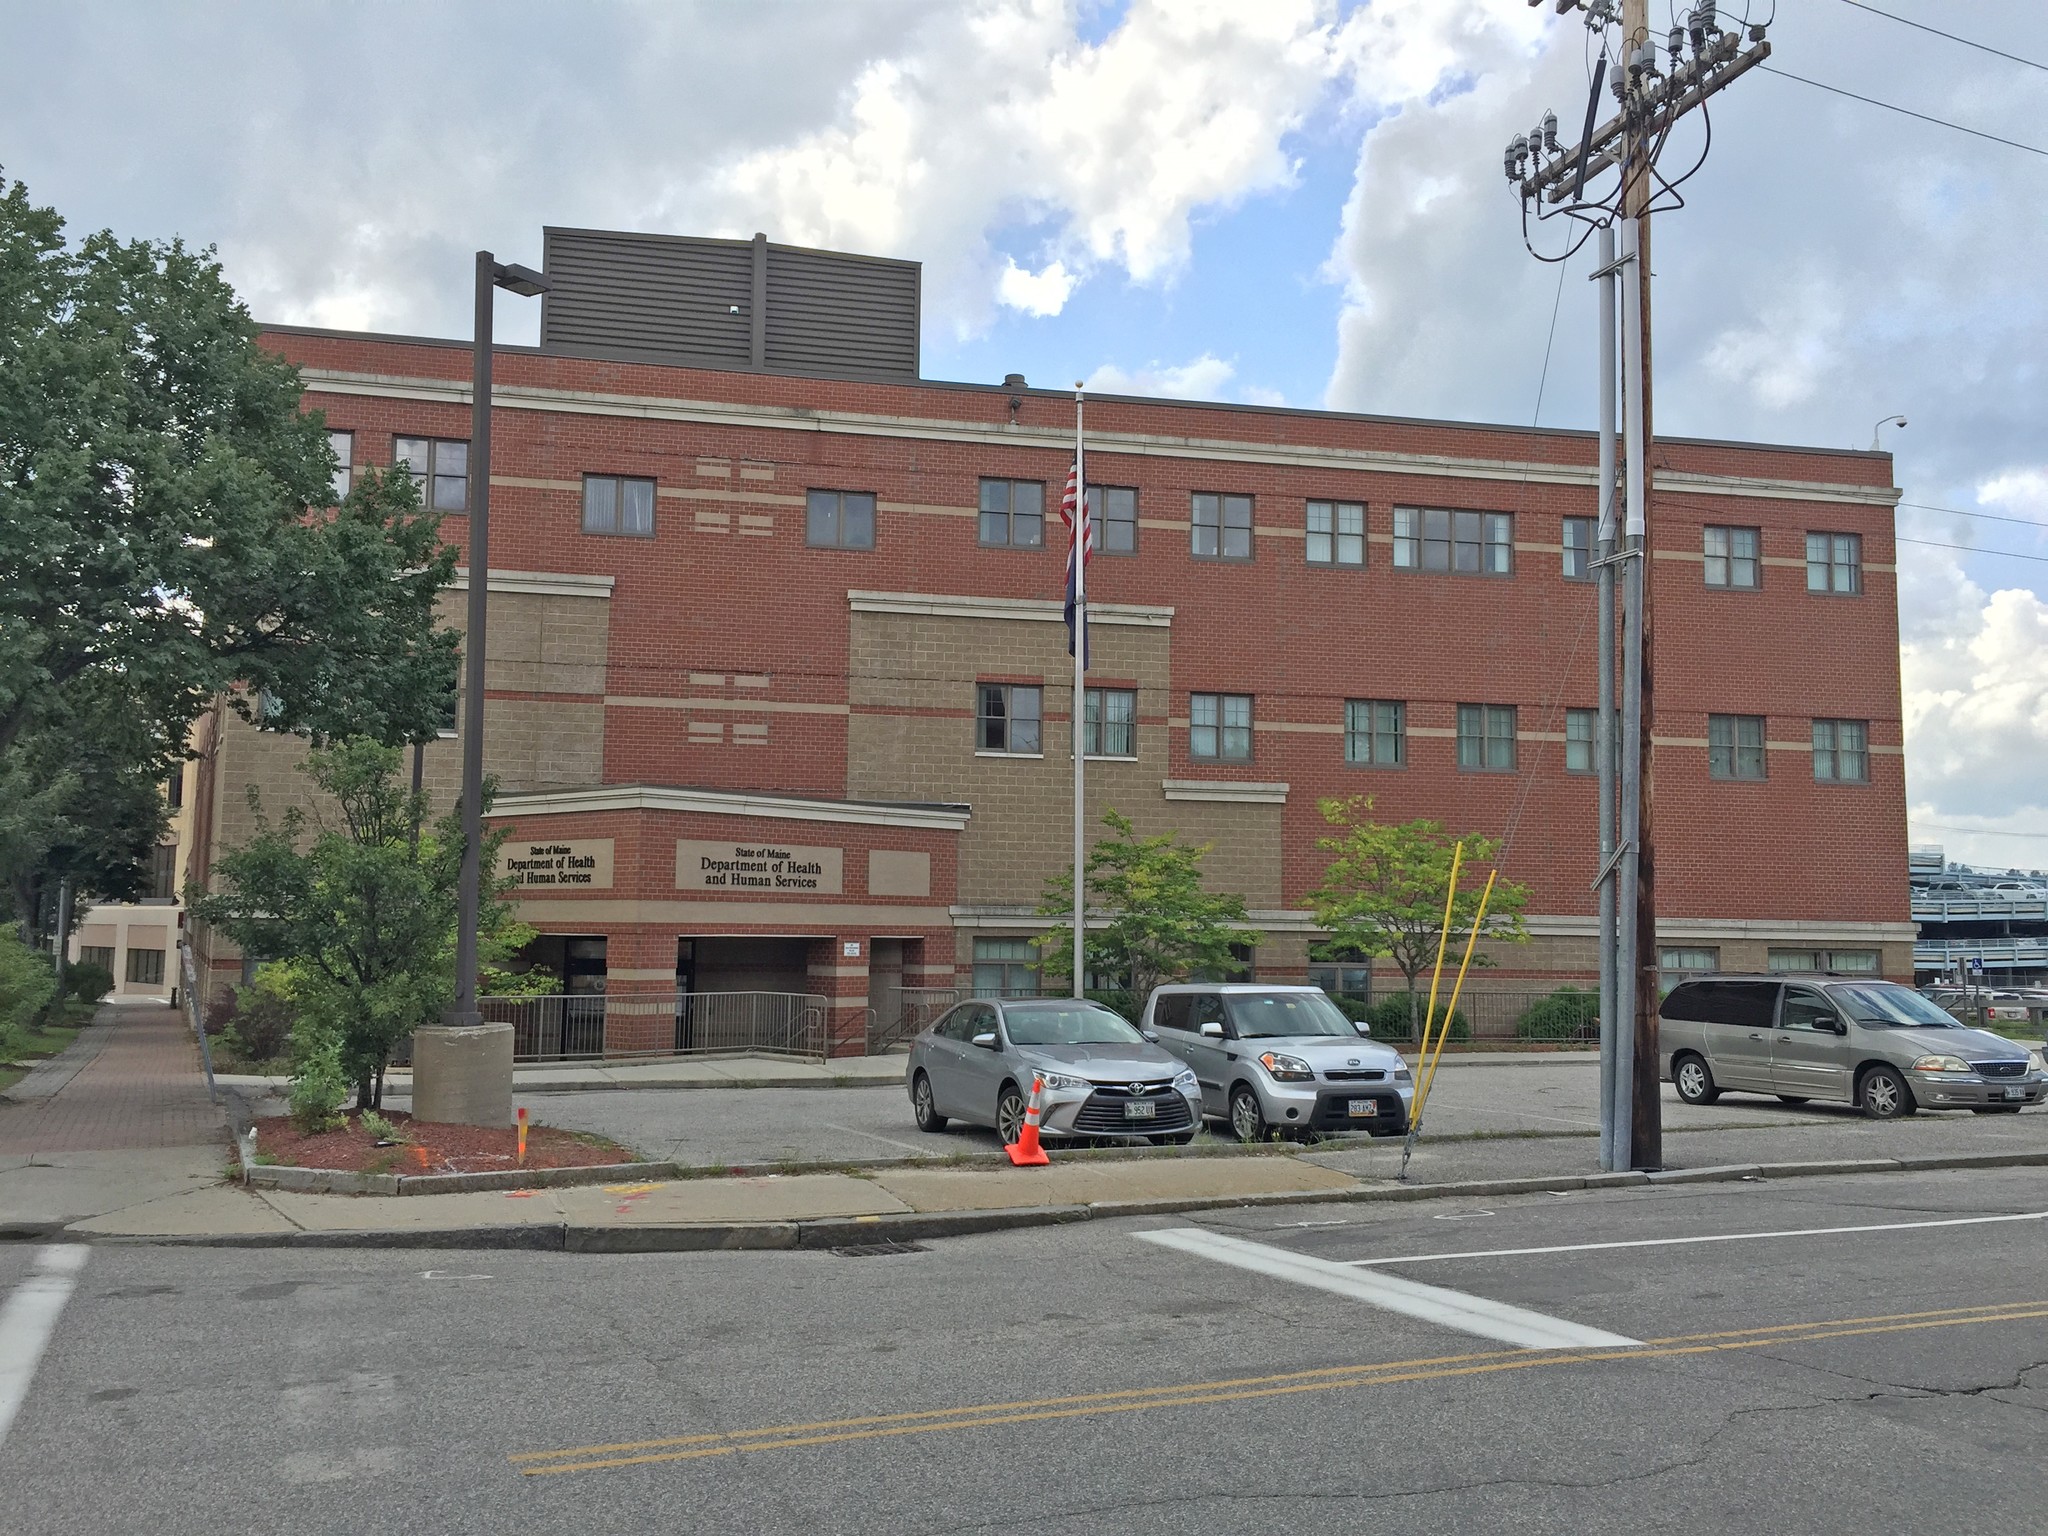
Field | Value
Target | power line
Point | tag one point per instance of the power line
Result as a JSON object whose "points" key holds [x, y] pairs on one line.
{"points": [[1939, 122], [1966, 42], [1989, 517], [1971, 549]]}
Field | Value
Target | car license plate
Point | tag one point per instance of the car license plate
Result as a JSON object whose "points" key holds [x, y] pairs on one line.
{"points": [[2015, 1093], [1141, 1109], [1364, 1109]]}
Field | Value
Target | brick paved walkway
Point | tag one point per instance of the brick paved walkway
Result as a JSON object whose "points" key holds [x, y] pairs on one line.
{"points": [[142, 1087]]}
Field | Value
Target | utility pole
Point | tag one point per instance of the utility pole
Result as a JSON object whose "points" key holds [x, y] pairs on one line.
{"points": [[1551, 179]]}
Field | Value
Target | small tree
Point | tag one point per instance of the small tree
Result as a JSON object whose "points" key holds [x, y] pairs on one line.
{"points": [[1160, 923], [360, 903], [1384, 889]]}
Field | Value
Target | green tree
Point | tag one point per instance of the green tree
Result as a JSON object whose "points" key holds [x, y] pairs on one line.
{"points": [[1384, 889], [360, 903], [1159, 923], [169, 532]]}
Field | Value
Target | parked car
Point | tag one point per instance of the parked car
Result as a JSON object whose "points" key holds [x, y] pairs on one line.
{"points": [[1102, 1077], [1874, 1044], [1281, 1058]]}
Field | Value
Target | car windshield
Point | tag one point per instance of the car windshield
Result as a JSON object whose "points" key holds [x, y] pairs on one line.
{"points": [[1886, 1005], [1068, 1024], [1285, 1015]]}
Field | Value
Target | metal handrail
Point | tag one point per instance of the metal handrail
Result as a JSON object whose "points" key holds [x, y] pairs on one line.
{"points": [[195, 1014], [578, 1026]]}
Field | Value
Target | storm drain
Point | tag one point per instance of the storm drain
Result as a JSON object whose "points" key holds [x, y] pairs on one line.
{"points": [[877, 1250]]}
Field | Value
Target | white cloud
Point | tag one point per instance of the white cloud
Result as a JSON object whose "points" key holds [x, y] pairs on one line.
{"points": [[1204, 378], [1039, 293]]}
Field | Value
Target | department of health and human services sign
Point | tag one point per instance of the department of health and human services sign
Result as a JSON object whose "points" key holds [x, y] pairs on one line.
{"points": [[767, 868], [580, 864]]}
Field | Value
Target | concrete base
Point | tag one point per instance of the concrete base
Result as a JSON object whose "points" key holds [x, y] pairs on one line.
{"points": [[463, 1076]]}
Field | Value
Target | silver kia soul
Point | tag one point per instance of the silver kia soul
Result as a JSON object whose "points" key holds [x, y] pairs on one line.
{"points": [[1874, 1044], [1277, 1058]]}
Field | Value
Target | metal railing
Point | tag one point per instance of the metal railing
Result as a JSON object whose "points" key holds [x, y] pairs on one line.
{"points": [[580, 1027], [195, 1014], [1991, 905]]}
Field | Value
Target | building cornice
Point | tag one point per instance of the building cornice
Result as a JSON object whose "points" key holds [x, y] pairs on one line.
{"points": [[711, 802], [1227, 791], [548, 583], [1033, 609], [528, 397]]}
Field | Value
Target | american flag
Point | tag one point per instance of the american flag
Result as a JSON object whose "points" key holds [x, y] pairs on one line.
{"points": [[1074, 513]]}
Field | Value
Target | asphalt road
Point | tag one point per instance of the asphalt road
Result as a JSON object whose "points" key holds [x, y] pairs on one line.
{"points": [[1083, 1379], [722, 1126]]}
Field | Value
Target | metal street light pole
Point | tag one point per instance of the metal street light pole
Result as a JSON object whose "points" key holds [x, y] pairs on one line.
{"points": [[1889, 421], [463, 1096]]}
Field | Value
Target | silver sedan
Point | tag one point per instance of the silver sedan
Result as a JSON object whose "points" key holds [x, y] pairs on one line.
{"points": [[1102, 1077]]}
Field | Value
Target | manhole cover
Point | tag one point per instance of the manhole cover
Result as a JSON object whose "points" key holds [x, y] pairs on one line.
{"points": [[876, 1250]]}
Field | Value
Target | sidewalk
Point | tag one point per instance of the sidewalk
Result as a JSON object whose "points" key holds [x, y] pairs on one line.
{"points": [[121, 1118]]}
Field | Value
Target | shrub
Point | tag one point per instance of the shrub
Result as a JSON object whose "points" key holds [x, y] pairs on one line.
{"points": [[319, 1084], [28, 983], [1569, 1013], [261, 1027], [220, 1013], [89, 981], [1389, 1019]]}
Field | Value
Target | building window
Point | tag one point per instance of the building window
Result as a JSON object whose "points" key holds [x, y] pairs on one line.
{"points": [[1110, 728], [1578, 740], [1346, 973], [146, 967], [163, 872], [439, 467], [174, 788], [1005, 968], [1735, 746], [343, 446], [1336, 533], [1008, 718], [1113, 519], [101, 955], [1376, 733], [1239, 968], [1220, 727], [1469, 543], [1854, 962], [1013, 513], [1834, 563], [1676, 965], [1222, 527], [1841, 752], [1732, 558], [1486, 737], [1578, 549], [839, 519], [618, 504]]}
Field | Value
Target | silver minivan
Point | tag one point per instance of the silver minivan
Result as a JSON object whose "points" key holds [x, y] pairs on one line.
{"points": [[1874, 1044], [1281, 1058]]}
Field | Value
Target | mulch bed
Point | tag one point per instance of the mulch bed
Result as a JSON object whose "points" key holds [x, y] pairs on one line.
{"points": [[429, 1147]]}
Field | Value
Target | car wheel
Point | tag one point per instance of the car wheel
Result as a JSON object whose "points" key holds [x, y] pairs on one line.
{"points": [[1694, 1082], [1010, 1114], [1883, 1095], [1247, 1118], [1793, 1098], [921, 1104]]}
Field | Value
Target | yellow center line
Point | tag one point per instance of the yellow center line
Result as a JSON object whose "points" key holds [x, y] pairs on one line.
{"points": [[1241, 1389]]}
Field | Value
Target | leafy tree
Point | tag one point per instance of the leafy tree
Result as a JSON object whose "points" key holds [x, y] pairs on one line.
{"points": [[1161, 923], [1383, 891], [360, 902], [168, 532]]}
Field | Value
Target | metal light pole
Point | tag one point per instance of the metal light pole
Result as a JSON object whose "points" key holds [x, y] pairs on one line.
{"points": [[1889, 421], [458, 1076]]}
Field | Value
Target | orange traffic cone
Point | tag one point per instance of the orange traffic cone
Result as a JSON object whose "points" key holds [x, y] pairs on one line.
{"points": [[1026, 1152]]}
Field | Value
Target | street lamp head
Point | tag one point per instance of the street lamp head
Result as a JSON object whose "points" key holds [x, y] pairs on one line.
{"points": [[523, 281]]}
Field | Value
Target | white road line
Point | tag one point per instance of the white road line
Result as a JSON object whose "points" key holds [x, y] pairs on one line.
{"points": [[1451, 1309], [29, 1317], [1712, 1237]]}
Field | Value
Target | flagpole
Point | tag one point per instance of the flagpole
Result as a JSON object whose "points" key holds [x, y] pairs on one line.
{"points": [[1082, 530]]}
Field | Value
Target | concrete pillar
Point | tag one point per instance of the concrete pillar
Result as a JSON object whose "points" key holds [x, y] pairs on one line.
{"points": [[462, 1075]]}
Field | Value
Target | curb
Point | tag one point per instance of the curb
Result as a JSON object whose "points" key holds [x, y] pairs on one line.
{"points": [[339, 1181], [836, 1231]]}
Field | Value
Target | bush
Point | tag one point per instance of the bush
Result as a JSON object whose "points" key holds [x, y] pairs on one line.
{"points": [[1569, 1013], [220, 1013], [1389, 1019], [261, 1027], [319, 1085], [89, 981], [1126, 1005], [28, 983]]}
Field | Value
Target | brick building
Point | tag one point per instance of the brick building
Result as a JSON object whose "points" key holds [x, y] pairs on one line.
{"points": [[778, 689]]}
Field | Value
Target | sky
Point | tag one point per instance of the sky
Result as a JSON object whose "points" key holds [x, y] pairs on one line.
{"points": [[1275, 201]]}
